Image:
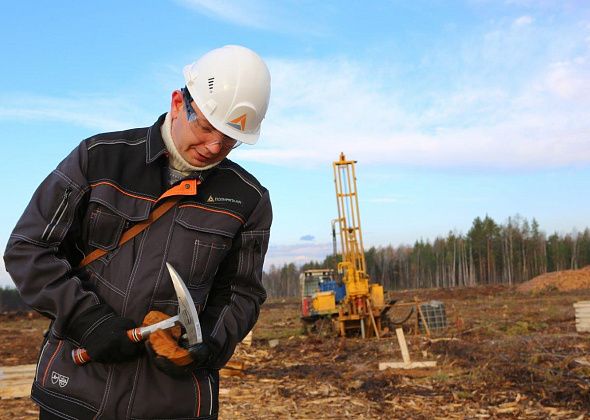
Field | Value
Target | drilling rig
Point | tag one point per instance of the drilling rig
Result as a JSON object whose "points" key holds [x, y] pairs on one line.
{"points": [[363, 305], [348, 297]]}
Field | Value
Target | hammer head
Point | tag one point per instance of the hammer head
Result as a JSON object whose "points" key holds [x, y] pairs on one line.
{"points": [[187, 313]]}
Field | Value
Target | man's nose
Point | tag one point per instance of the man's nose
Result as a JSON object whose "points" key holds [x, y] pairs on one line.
{"points": [[214, 146]]}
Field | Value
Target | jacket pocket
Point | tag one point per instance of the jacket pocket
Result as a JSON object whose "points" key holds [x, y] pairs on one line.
{"points": [[57, 217], [194, 396], [59, 379], [201, 242], [205, 261], [105, 229]]}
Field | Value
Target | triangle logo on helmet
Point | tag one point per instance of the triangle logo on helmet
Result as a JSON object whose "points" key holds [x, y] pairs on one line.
{"points": [[238, 123]]}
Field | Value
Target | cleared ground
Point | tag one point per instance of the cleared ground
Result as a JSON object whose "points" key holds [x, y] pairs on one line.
{"points": [[505, 354]]}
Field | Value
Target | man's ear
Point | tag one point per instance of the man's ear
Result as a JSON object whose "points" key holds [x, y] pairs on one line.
{"points": [[176, 103]]}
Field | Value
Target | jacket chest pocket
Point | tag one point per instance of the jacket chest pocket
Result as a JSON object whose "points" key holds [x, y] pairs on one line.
{"points": [[205, 260], [109, 214], [199, 245], [105, 228]]}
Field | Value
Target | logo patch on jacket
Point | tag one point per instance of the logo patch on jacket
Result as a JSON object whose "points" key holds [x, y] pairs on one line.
{"points": [[224, 200], [58, 378]]}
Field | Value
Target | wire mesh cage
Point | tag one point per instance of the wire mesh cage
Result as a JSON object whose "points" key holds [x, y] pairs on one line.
{"points": [[435, 315]]}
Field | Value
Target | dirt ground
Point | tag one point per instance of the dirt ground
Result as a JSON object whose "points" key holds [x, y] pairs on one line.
{"points": [[559, 280], [505, 354]]}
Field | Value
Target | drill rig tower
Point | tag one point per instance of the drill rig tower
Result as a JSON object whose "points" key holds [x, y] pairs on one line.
{"points": [[363, 305]]}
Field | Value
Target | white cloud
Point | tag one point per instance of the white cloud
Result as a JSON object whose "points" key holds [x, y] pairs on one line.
{"points": [[569, 79], [5, 279], [278, 255], [482, 118], [385, 200], [251, 14], [284, 16], [523, 21], [487, 107], [100, 113]]}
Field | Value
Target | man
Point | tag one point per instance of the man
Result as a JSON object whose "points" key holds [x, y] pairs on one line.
{"points": [[215, 237]]}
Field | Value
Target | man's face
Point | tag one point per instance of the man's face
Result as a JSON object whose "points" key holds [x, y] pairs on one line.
{"points": [[198, 142]]}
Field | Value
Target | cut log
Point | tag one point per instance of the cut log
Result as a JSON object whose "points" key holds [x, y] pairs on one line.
{"points": [[16, 381], [247, 341], [233, 368], [404, 365]]}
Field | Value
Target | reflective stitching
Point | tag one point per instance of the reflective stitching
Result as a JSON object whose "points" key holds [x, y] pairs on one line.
{"points": [[166, 302], [69, 399], [218, 323], [62, 261], [95, 221], [162, 263], [194, 260], [242, 178], [105, 396], [53, 411], [148, 157], [240, 260], [198, 408], [134, 387], [118, 141], [51, 361], [95, 325], [29, 240], [58, 220], [63, 205], [107, 284], [93, 295], [70, 181], [40, 358], [120, 213], [210, 395]]}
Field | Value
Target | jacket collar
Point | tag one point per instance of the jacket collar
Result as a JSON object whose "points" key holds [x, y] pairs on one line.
{"points": [[155, 148], [155, 144]]}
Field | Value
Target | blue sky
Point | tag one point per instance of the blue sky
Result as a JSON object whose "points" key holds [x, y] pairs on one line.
{"points": [[453, 109]]}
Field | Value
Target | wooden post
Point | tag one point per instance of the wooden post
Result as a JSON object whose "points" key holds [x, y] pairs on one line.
{"points": [[370, 308], [407, 363], [401, 339], [424, 322]]}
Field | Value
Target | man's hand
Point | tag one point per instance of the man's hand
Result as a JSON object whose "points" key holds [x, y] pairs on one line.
{"points": [[104, 335], [168, 351], [109, 343], [201, 355]]}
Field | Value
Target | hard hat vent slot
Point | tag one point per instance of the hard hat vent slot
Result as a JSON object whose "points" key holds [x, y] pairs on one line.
{"points": [[211, 83]]}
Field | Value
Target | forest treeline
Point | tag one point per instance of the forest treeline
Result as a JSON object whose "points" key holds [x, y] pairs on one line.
{"points": [[490, 253], [10, 300]]}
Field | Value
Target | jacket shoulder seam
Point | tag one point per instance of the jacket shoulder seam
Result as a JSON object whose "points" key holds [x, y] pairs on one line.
{"points": [[117, 141], [243, 175]]}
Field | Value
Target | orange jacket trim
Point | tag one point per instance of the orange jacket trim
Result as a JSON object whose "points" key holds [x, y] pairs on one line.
{"points": [[212, 210]]}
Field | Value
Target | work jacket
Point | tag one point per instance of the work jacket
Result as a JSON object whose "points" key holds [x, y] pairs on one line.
{"points": [[215, 237]]}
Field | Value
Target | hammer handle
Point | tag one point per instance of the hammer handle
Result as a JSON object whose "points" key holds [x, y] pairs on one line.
{"points": [[81, 356]]}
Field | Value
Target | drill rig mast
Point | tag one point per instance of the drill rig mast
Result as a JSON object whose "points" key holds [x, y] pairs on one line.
{"points": [[363, 305]]}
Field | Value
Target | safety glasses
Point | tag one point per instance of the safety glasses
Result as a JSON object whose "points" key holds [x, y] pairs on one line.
{"points": [[191, 115]]}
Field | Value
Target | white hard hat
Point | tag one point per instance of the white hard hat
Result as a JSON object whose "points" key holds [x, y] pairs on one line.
{"points": [[231, 87]]}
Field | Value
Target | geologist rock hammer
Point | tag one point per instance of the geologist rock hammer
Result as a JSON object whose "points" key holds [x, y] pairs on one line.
{"points": [[187, 317]]}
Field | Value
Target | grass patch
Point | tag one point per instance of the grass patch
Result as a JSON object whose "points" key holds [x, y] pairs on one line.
{"points": [[523, 327]]}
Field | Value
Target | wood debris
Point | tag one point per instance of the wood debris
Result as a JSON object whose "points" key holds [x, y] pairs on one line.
{"points": [[16, 381], [516, 356]]}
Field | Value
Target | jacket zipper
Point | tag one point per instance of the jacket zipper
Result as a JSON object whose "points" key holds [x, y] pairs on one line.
{"points": [[61, 209]]}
